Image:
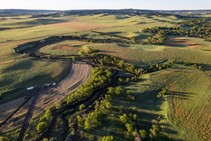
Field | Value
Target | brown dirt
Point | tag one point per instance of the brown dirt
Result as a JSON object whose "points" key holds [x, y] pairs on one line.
{"points": [[7, 108], [66, 48], [82, 25], [182, 42], [78, 74]]}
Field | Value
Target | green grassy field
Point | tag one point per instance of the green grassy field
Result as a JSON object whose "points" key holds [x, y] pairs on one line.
{"points": [[185, 111], [19, 72]]}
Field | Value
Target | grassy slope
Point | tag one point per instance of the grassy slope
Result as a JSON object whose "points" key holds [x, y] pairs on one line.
{"points": [[184, 111], [148, 106], [19, 72], [188, 100]]}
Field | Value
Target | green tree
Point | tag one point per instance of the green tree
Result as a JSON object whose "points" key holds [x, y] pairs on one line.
{"points": [[143, 133], [129, 127], [154, 131], [81, 107], [107, 138], [124, 118], [41, 126], [85, 50]]}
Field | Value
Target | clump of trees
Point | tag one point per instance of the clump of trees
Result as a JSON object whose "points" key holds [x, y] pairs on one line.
{"points": [[129, 120], [158, 38], [114, 90], [200, 27], [96, 117], [98, 79], [44, 121], [104, 59]]}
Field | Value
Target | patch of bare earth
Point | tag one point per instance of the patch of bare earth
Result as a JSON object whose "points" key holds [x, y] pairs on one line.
{"points": [[66, 48], [48, 97], [78, 75], [82, 25], [182, 42]]}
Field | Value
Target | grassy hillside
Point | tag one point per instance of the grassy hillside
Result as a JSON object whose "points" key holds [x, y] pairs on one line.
{"points": [[184, 113], [19, 72], [188, 100]]}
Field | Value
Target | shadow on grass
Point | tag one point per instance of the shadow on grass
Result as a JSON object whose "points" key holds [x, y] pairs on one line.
{"points": [[141, 36], [180, 95], [5, 82], [22, 65], [37, 22], [19, 90], [124, 45], [113, 33], [37, 80], [121, 17], [105, 51]]}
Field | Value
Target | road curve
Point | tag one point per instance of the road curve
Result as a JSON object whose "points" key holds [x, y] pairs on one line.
{"points": [[79, 73]]}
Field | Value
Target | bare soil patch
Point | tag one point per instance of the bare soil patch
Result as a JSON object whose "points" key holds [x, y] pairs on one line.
{"points": [[66, 48]]}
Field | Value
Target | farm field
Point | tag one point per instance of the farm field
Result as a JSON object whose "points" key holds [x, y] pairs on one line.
{"points": [[80, 76]]}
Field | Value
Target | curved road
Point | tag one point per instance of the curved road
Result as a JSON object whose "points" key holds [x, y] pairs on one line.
{"points": [[42, 99]]}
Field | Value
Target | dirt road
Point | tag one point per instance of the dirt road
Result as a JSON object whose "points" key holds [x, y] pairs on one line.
{"points": [[47, 97], [79, 73]]}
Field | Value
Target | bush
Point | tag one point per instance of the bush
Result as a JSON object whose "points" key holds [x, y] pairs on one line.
{"points": [[143, 134], [41, 127], [81, 107], [107, 138]]}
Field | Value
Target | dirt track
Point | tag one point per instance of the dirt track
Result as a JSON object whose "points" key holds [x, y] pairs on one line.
{"points": [[78, 74]]}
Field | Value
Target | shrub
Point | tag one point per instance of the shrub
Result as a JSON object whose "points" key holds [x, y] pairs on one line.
{"points": [[107, 138], [41, 126]]}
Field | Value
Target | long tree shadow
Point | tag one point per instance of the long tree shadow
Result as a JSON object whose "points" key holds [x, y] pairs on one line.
{"points": [[22, 65], [5, 82], [180, 95]]}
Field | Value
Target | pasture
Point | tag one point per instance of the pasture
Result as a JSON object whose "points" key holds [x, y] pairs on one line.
{"points": [[184, 112]]}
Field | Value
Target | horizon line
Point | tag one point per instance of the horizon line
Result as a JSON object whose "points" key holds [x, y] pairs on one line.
{"points": [[110, 9]]}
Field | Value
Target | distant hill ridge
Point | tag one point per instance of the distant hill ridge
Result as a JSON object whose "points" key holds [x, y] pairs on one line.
{"points": [[10, 12]]}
